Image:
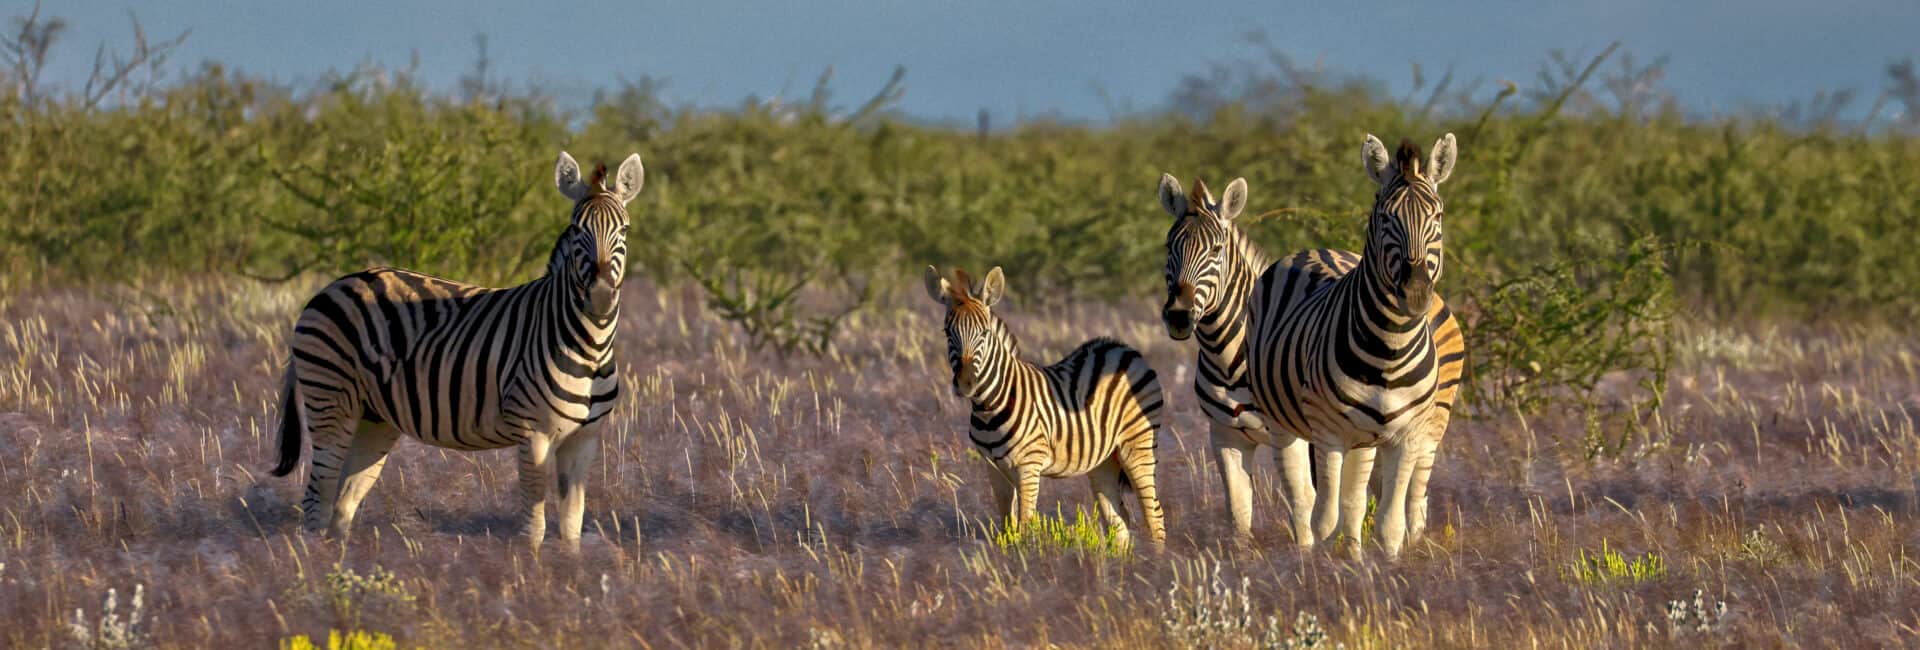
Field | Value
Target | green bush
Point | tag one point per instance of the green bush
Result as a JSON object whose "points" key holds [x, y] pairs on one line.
{"points": [[1563, 200]]}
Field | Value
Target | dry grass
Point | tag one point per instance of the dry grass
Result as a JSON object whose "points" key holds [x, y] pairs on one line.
{"points": [[746, 500]]}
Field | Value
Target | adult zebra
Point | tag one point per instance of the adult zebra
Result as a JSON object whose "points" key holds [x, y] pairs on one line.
{"points": [[1211, 270], [388, 351], [1095, 412], [1362, 354]]}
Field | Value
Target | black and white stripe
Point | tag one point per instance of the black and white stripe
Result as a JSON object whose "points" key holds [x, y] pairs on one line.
{"points": [[387, 352], [1095, 412], [1359, 352], [1212, 267]]}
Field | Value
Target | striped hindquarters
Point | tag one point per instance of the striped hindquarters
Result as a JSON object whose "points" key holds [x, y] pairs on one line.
{"points": [[1106, 400]]}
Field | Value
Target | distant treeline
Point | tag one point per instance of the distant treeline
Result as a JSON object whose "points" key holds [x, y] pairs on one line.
{"points": [[219, 172]]}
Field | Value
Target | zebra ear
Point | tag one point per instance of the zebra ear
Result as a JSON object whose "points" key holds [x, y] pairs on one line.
{"points": [[631, 176], [1233, 200], [1374, 155], [1172, 198], [566, 177], [992, 288], [936, 285], [1440, 162]]}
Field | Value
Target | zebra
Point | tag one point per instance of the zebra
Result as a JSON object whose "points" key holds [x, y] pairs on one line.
{"points": [[1359, 352], [1211, 269], [388, 351], [1095, 412]]}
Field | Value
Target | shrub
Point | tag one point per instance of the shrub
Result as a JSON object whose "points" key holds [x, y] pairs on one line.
{"points": [[1608, 566], [1044, 535]]}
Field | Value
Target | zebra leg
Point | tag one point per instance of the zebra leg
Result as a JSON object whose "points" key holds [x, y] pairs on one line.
{"points": [[576, 456], [365, 458], [533, 487], [1326, 506], [1397, 466], [1353, 498], [1140, 473], [1231, 449], [1417, 491], [1105, 481], [1002, 482], [330, 435], [1295, 456], [1029, 492]]}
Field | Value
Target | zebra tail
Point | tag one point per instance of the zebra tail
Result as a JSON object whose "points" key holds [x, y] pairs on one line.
{"points": [[289, 426]]}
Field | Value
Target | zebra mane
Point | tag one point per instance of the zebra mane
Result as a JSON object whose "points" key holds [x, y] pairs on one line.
{"points": [[599, 182], [961, 287], [1408, 159], [1200, 200]]}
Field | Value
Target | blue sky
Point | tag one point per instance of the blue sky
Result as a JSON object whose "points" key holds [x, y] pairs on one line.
{"points": [[1014, 58]]}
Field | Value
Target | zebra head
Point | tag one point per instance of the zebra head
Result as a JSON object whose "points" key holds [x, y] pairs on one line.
{"points": [[1197, 246], [973, 332], [1403, 231], [591, 258]]}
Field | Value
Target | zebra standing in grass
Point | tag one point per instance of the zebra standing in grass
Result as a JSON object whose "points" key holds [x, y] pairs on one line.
{"points": [[387, 351], [1211, 269], [1095, 412], [1364, 354]]}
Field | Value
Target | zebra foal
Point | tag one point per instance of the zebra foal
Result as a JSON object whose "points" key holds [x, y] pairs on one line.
{"points": [[1095, 412]]}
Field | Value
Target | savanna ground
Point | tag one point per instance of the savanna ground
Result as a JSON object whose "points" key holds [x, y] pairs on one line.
{"points": [[746, 499], [1691, 368]]}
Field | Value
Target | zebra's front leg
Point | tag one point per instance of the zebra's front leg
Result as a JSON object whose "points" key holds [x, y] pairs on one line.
{"points": [[534, 461], [1417, 491], [1231, 449], [575, 459], [1005, 501], [1295, 456], [1353, 498], [1029, 492], [1105, 481], [1397, 464], [1326, 507], [1141, 474]]}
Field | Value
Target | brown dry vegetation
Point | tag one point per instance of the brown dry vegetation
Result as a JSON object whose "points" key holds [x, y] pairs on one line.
{"points": [[749, 500]]}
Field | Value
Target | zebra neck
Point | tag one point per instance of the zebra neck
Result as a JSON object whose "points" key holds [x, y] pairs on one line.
{"points": [[1379, 322], [1007, 371], [575, 327]]}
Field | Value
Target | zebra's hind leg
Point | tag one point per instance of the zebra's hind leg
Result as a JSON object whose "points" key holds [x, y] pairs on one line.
{"points": [[1105, 481], [330, 431], [365, 458], [534, 474], [1353, 499], [1140, 473], [575, 459], [1231, 449]]}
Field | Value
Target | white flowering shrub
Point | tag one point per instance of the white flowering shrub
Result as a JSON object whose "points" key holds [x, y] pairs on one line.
{"points": [[1215, 614], [110, 631], [1695, 617]]}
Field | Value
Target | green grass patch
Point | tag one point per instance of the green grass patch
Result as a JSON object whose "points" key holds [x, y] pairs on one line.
{"points": [[1055, 534], [1609, 566]]}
